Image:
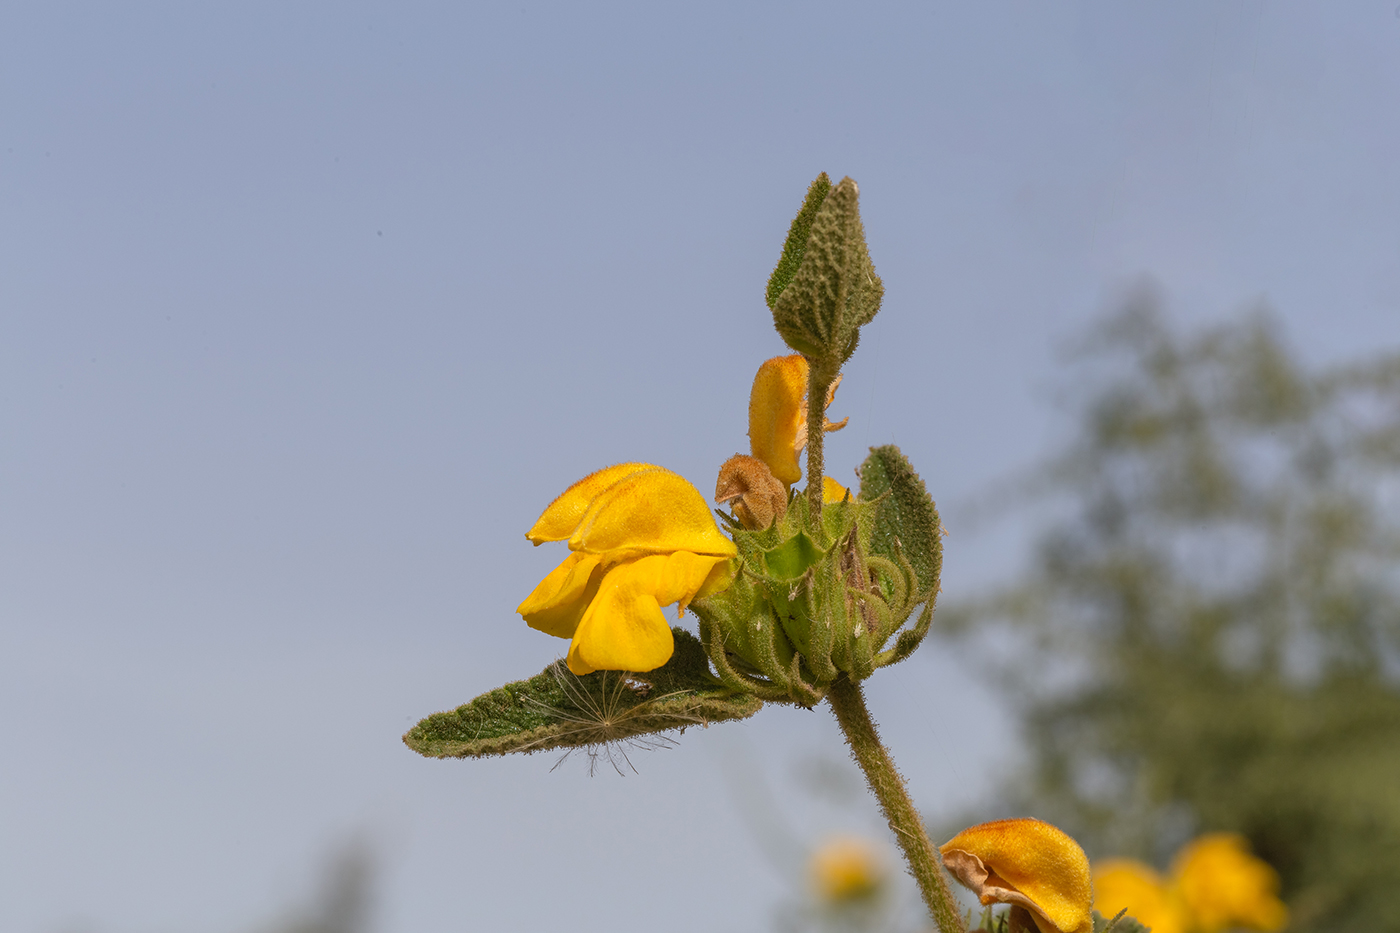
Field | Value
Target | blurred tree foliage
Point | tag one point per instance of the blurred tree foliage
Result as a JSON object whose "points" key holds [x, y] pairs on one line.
{"points": [[1211, 625]]}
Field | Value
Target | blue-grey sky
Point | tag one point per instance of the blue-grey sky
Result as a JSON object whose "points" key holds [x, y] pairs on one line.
{"points": [[307, 310]]}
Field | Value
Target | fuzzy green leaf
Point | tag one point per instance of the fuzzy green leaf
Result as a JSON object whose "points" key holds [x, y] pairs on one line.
{"points": [[906, 515], [835, 290], [558, 709], [796, 245]]}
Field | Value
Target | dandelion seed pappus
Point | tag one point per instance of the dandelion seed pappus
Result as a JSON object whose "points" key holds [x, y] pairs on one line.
{"points": [[616, 716]]}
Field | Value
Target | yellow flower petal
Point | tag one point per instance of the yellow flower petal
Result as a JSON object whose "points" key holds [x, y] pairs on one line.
{"points": [[776, 408], [1223, 885], [1029, 864], [624, 628], [833, 491], [650, 511], [1124, 884], [564, 513], [719, 578], [557, 604]]}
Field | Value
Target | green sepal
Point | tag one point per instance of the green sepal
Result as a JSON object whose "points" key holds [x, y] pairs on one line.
{"points": [[835, 290], [558, 709], [792, 558], [796, 244], [747, 627], [905, 520]]}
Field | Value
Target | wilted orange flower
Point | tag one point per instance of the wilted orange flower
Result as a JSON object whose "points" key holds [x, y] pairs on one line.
{"points": [[1028, 864]]}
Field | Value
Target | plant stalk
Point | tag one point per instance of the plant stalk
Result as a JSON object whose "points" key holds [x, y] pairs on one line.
{"points": [[818, 384], [848, 703]]}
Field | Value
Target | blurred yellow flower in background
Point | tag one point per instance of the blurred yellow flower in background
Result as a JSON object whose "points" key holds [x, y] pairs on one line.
{"points": [[1028, 864], [642, 538], [847, 868], [1215, 884], [1126, 884], [1224, 886]]}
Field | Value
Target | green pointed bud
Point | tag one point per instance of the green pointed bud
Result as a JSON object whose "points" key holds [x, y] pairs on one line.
{"points": [[796, 245], [558, 709], [834, 291]]}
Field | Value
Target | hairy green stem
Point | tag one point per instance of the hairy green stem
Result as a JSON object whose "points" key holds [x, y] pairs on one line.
{"points": [[848, 703], [819, 382]]}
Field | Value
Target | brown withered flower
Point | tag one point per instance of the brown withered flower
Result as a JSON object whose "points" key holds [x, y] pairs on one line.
{"points": [[755, 496]]}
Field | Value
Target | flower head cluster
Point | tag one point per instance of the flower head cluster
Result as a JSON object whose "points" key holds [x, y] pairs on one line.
{"points": [[1215, 884], [1028, 864], [642, 538]]}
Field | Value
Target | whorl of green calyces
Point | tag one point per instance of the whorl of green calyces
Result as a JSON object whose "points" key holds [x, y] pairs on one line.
{"points": [[820, 597], [820, 305], [557, 709]]}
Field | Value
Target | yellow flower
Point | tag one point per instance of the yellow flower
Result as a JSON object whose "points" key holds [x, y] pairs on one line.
{"points": [[833, 491], [642, 538], [1224, 886], [778, 415], [1028, 864], [1125, 884], [846, 868]]}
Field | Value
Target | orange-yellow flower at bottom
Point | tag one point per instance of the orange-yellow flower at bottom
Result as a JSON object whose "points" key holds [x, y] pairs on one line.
{"points": [[642, 538], [1125, 884], [1224, 886], [1028, 864]]}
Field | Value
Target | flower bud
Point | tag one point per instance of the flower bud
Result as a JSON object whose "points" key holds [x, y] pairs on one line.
{"points": [[834, 291]]}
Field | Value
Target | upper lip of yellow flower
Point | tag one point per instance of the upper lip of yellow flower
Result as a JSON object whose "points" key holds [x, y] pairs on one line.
{"points": [[1027, 863], [778, 415], [642, 538]]}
